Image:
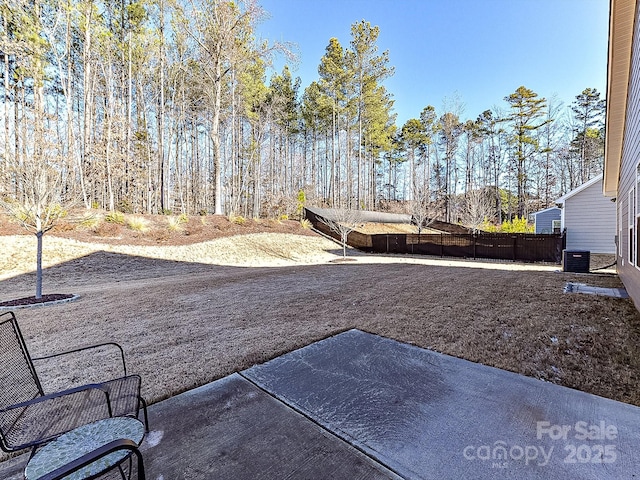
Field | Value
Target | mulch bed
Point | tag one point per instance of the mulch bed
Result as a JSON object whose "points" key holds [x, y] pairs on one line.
{"points": [[25, 301]]}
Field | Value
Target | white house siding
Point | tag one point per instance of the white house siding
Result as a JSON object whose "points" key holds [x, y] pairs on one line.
{"points": [[590, 220], [629, 272]]}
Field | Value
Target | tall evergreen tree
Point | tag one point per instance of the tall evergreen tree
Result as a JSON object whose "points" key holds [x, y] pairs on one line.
{"points": [[414, 138], [283, 99], [369, 70], [450, 129], [526, 116], [588, 142], [317, 115], [429, 120], [549, 139], [334, 84], [493, 133], [378, 132]]}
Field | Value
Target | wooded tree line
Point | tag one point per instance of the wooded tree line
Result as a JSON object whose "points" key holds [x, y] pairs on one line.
{"points": [[153, 106], [520, 157]]}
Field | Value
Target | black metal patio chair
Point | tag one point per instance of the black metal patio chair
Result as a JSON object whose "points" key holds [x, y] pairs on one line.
{"points": [[102, 449], [30, 417]]}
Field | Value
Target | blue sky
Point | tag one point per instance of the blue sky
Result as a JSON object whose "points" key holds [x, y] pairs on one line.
{"points": [[477, 50]]}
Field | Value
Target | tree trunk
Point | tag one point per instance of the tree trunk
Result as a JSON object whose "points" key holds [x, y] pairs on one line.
{"points": [[39, 236], [88, 101], [7, 101], [215, 137]]}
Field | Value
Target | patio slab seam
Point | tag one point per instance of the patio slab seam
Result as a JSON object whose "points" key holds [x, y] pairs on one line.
{"points": [[338, 434]]}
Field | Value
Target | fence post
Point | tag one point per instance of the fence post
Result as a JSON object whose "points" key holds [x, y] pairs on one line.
{"points": [[441, 246], [515, 247], [475, 237]]}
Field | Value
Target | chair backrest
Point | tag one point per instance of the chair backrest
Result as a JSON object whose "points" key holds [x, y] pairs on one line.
{"points": [[18, 378]]}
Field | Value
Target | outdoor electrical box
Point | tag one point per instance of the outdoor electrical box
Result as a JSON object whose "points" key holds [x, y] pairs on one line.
{"points": [[576, 261]]}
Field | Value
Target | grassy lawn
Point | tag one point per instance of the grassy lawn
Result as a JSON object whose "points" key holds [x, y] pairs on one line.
{"points": [[184, 324]]}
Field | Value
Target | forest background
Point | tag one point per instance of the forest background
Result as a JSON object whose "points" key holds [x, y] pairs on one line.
{"points": [[164, 106]]}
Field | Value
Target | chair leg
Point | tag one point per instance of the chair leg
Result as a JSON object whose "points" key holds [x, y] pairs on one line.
{"points": [[126, 473], [141, 472], [121, 470], [144, 411]]}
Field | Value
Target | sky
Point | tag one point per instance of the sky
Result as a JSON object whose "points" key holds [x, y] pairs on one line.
{"points": [[474, 52]]}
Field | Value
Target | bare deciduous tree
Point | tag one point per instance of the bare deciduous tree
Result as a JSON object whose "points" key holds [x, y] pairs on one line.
{"points": [[424, 211], [477, 208], [342, 221], [38, 206]]}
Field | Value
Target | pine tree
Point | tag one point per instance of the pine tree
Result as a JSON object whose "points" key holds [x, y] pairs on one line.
{"points": [[379, 129], [283, 100], [527, 115], [493, 133], [369, 70], [588, 142], [334, 84], [414, 138], [450, 129], [317, 115], [254, 109]]}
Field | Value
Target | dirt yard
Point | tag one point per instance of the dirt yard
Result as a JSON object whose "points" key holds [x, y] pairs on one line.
{"points": [[189, 313]]}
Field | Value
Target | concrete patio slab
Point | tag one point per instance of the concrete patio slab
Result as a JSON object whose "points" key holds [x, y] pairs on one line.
{"points": [[230, 429], [359, 406], [430, 416]]}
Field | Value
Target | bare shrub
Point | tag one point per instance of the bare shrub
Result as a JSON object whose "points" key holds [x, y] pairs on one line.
{"points": [[108, 229]]}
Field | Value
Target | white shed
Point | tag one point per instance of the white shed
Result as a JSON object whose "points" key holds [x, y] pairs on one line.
{"points": [[589, 218]]}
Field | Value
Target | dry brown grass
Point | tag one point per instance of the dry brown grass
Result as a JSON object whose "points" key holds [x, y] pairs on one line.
{"points": [[184, 323]]}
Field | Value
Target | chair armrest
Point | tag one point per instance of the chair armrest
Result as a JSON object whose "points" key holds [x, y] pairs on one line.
{"points": [[52, 396], [89, 347], [111, 447], [41, 419]]}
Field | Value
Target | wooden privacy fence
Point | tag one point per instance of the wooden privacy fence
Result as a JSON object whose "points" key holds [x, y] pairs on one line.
{"points": [[525, 247], [515, 246]]}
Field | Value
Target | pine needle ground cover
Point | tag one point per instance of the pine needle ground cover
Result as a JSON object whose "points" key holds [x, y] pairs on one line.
{"points": [[184, 323]]}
